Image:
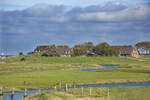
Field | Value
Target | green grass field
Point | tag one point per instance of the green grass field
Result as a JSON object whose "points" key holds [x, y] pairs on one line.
{"points": [[46, 71]]}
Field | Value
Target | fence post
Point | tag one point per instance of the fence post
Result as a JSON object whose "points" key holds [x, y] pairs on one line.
{"points": [[60, 85], [25, 93], [100, 92], [55, 87], [12, 94], [108, 93], [39, 90], [90, 91], [66, 87], [82, 90], [1, 93], [74, 86]]}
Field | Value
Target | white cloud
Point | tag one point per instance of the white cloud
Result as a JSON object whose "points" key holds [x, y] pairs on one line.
{"points": [[140, 13], [45, 10], [116, 25], [60, 19]]}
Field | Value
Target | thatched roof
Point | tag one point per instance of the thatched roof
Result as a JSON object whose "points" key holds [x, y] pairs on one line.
{"points": [[53, 50], [126, 49], [44, 48]]}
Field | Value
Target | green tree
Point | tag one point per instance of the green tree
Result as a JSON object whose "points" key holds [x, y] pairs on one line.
{"points": [[143, 47], [114, 51], [88, 46], [102, 49], [79, 50], [83, 49], [63, 46], [20, 53]]}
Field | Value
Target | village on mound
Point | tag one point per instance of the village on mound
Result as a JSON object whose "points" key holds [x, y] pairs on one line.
{"points": [[66, 51]]}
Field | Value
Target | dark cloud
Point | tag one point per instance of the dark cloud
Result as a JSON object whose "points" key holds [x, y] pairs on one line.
{"points": [[115, 23]]}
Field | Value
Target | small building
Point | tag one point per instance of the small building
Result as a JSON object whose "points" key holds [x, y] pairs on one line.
{"points": [[63, 52], [128, 51], [45, 50], [53, 50]]}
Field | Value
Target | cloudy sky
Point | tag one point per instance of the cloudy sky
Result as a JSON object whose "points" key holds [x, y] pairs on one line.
{"points": [[27, 23]]}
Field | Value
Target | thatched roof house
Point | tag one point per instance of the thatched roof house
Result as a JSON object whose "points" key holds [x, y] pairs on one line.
{"points": [[53, 50], [128, 51]]}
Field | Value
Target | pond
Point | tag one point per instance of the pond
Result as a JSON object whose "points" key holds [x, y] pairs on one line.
{"points": [[94, 70]]}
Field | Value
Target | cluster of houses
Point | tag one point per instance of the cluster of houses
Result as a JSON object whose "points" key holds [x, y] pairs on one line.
{"points": [[128, 51], [65, 51], [52, 50]]}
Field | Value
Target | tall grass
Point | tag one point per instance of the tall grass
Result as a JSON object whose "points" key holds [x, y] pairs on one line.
{"points": [[121, 93]]}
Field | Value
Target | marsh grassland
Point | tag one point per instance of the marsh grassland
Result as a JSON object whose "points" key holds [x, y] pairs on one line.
{"points": [[121, 93], [47, 72]]}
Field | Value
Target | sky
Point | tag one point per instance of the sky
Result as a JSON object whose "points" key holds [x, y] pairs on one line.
{"points": [[24, 24]]}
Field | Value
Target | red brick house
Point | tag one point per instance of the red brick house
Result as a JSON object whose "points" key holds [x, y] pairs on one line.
{"points": [[128, 51]]}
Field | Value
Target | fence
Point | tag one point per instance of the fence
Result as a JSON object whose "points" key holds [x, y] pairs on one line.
{"points": [[11, 93], [73, 89]]}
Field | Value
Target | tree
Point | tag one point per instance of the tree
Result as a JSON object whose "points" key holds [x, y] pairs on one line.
{"points": [[79, 50], [63, 46], [143, 47], [114, 51], [88, 46], [102, 49], [83, 49], [20, 53]]}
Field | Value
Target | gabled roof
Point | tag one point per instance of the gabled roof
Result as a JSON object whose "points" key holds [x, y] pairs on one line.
{"points": [[53, 50], [126, 49], [44, 47], [62, 50]]}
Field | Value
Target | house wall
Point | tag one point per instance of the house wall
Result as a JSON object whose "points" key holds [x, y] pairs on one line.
{"points": [[135, 53], [126, 55], [36, 53]]}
